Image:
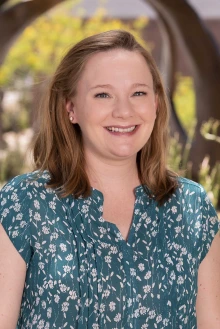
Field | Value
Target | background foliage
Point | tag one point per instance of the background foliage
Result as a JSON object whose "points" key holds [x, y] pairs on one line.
{"points": [[33, 59]]}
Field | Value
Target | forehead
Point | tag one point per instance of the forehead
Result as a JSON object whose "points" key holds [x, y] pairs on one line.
{"points": [[115, 65]]}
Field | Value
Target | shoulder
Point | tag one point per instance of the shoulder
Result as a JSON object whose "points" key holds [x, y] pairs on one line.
{"points": [[195, 201], [23, 201], [189, 185], [24, 191], [190, 190], [190, 211], [27, 198], [25, 183], [191, 198]]}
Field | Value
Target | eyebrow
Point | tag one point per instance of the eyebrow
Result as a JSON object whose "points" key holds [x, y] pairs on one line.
{"points": [[110, 86]]}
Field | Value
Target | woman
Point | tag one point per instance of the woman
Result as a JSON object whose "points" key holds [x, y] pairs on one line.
{"points": [[103, 235]]}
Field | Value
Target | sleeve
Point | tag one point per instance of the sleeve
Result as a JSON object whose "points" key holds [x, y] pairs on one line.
{"points": [[14, 215], [210, 223]]}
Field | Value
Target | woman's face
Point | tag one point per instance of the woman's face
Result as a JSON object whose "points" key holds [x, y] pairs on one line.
{"points": [[115, 104]]}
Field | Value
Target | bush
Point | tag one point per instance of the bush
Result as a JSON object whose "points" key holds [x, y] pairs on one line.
{"points": [[179, 160], [15, 121], [185, 101], [11, 165]]}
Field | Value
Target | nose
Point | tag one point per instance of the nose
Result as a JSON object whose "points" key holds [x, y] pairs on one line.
{"points": [[123, 109]]}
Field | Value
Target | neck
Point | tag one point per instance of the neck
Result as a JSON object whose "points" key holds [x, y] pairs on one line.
{"points": [[108, 176]]}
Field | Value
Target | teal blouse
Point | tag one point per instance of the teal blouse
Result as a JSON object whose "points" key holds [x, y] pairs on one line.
{"points": [[82, 274]]}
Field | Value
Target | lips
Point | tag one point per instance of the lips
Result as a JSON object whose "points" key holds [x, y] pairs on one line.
{"points": [[121, 129]]}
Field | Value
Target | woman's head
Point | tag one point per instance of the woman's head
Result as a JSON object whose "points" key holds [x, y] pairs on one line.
{"points": [[114, 106], [59, 145]]}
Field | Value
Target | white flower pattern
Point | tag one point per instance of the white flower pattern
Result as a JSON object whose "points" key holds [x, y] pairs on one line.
{"points": [[81, 273]]}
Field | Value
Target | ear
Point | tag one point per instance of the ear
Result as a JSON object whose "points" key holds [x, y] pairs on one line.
{"points": [[70, 109]]}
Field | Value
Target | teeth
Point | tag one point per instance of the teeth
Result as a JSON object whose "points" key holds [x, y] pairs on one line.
{"points": [[121, 130]]}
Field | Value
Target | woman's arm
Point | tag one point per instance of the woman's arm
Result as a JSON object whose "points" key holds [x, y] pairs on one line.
{"points": [[208, 300], [12, 278]]}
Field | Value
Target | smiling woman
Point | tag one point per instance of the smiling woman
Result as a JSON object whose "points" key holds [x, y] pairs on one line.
{"points": [[108, 114], [103, 235], [104, 77]]}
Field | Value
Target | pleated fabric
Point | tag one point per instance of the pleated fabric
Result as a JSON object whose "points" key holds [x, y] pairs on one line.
{"points": [[82, 274]]}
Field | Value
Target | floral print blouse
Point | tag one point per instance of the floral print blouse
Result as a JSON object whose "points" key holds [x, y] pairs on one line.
{"points": [[82, 274]]}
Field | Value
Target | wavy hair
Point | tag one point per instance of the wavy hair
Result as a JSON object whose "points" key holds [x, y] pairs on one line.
{"points": [[58, 146]]}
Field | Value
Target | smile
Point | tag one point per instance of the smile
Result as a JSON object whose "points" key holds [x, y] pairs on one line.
{"points": [[121, 130]]}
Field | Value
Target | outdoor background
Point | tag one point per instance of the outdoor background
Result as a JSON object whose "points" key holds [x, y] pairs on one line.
{"points": [[183, 37]]}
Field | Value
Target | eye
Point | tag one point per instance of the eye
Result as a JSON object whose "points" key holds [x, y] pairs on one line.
{"points": [[140, 93], [101, 95]]}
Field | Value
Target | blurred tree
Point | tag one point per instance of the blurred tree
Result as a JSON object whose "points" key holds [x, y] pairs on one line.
{"points": [[15, 16], [37, 54], [204, 60], [43, 43], [2, 142], [34, 57], [185, 101], [40, 47]]}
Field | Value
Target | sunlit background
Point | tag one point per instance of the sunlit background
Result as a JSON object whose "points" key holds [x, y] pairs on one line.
{"points": [[184, 39]]}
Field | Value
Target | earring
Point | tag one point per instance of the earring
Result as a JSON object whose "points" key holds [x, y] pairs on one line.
{"points": [[71, 118]]}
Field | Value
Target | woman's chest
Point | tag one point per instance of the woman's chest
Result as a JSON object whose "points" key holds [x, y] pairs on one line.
{"points": [[76, 244], [91, 270], [120, 212], [83, 269]]}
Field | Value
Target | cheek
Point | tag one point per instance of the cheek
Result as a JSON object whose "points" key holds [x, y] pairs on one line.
{"points": [[148, 114], [97, 114], [82, 114], [93, 110]]}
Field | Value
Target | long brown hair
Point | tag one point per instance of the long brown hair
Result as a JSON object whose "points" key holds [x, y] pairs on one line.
{"points": [[58, 146]]}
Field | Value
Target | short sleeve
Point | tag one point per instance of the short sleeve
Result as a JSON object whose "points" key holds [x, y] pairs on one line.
{"points": [[210, 223], [14, 215]]}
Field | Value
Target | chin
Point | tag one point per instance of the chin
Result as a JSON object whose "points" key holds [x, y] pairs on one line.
{"points": [[124, 154]]}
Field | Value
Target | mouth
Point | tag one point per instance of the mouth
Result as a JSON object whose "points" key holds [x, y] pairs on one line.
{"points": [[121, 130]]}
